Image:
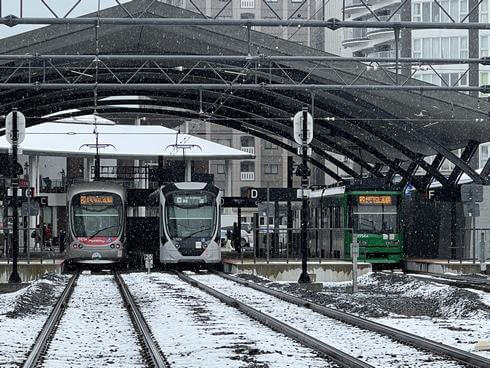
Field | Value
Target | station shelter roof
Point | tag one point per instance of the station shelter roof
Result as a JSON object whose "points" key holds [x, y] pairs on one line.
{"points": [[119, 141], [375, 128]]}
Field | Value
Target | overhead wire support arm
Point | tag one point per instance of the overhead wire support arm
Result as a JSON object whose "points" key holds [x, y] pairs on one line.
{"points": [[334, 24], [485, 60]]}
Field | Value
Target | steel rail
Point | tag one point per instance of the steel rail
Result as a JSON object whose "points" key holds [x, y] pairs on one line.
{"points": [[470, 359], [50, 325], [260, 57], [241, 86], [12, 20], [334, 354], [156, 356], [457, 281]]}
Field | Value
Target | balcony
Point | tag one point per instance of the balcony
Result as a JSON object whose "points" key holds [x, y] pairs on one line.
{"points": [[247, 4], [355, 9], [383, 33], [247, 176], [355, 37], [250, 150]]}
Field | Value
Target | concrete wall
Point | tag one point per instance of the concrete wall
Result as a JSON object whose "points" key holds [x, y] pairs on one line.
{"points": [[29, 272], [325, 272]]}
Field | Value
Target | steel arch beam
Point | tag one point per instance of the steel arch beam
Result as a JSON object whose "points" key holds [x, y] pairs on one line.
{"points": [[88, 102], [369, 149]]}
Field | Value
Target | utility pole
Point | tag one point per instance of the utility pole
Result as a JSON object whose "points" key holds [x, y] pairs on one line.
{"points": [[303, 135]]}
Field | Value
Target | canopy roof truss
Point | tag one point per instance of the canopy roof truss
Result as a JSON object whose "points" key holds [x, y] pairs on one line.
{"points": [[233, 76]]}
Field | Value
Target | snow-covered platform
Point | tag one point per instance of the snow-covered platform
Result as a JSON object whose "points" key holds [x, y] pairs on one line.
{"points": [[442, 266], [280, 270], [30, 271]]}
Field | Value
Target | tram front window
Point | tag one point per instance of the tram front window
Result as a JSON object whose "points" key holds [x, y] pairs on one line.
{"points": [[377, 216], [191, 215], [96, 214]]}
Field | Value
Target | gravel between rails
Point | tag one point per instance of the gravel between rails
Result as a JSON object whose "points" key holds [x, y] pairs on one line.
{"points": [[195, 329], [22, 316], [371, 347], [95, 330]]}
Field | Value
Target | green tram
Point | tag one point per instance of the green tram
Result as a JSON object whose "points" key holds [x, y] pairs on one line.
{"points": [[372, 215]]}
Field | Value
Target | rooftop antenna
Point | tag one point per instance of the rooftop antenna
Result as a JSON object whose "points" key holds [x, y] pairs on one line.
{"points": [[183, 147]]}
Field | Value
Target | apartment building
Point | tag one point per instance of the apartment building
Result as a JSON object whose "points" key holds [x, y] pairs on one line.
{"points": [[426, 43]]}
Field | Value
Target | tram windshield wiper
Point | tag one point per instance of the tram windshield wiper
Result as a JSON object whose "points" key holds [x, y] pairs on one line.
{"points": [[100, 230], [196, 232]]}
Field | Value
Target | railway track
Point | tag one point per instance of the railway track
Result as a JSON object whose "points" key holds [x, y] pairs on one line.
{"points": [[440, 350], [336, 355], [461, 281], [49, 327], [85, 320]]}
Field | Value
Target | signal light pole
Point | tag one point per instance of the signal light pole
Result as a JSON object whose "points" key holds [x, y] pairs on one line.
{"points": [[303, 134], [11, 122]]}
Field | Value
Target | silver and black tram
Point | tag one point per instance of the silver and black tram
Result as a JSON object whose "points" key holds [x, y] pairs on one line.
{"points": [[96, 223], [189, 224]]}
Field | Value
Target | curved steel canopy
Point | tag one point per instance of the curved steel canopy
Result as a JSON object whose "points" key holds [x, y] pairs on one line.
{"points": [[372, 128]]}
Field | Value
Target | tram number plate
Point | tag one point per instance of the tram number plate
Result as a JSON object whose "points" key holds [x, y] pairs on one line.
{"points": [[119, 253], [198, 245]]}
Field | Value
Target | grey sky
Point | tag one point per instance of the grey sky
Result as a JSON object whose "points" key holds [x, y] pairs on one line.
{"points": [[35, 8]]}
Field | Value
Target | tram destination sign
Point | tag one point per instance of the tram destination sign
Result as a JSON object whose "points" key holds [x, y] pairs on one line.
{"points": [[371, 199], [95, 200]]}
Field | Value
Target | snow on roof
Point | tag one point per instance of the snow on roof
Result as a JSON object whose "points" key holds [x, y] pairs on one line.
{"points": [[130, 141]]}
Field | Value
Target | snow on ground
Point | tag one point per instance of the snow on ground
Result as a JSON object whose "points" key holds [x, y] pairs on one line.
{"points": [[95, 330], [194, 329], [368, 346], [453, 316], [22, 315]]}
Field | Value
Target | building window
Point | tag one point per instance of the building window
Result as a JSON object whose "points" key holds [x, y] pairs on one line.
{"points": [[247, 141], [416, 12], [483, 46], [483, 81], [224, 142], [220, 168], [463, 10], [484, 149], [269, 145], [417, 48], [484, 12], [427, 11], [247, 166], [443, 47], [271, 169], [436, 13]]}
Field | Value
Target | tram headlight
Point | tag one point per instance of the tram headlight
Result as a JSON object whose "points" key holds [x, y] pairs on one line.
{"points": [[112, 246], [75, 246], [118, 246], [177, 245], [80, 246]]}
